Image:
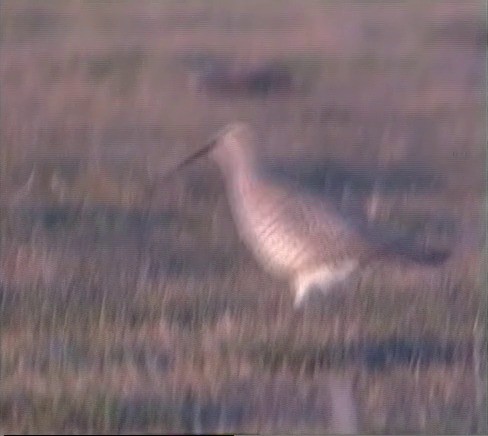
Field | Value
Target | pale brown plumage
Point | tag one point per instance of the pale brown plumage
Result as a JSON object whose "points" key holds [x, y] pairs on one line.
{"points": [[293, 234]]}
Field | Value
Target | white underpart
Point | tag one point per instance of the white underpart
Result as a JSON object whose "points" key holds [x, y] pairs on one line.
{"points": [[321, 278]]}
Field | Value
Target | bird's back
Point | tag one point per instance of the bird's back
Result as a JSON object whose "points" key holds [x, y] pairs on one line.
{"points": [[290, 230]]}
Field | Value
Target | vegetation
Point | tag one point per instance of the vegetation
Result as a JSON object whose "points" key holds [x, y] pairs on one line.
{"points": [[127, 303]]}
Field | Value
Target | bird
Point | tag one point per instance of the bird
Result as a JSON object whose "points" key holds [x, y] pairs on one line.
{"points": [[293, 235]]}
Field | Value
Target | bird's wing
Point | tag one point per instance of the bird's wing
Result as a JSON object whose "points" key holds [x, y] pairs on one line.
{"points": [[331, 236]]}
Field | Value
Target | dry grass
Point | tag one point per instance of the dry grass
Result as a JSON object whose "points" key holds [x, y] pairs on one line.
{"points": [[129, 304]]}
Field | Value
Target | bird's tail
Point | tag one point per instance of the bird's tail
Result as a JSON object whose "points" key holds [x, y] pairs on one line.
{"points": [[431, 257]]}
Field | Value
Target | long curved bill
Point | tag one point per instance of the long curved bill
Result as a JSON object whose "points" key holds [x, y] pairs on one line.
{"points": [[203, 151], [199, 153]]}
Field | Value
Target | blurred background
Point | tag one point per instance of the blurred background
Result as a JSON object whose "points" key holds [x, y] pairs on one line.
{"points": [[128, 303]]}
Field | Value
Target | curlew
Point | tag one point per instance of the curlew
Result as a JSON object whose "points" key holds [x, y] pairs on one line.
{"points": [[294, 236]]}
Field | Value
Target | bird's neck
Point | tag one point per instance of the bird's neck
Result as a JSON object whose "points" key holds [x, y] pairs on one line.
{"points": [[241, 178]]}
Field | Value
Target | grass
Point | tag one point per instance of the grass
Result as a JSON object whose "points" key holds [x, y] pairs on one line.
{"points": [[129, 304]]}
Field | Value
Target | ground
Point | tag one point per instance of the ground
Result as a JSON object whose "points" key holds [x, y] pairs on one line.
{"points": [[128, 302]]}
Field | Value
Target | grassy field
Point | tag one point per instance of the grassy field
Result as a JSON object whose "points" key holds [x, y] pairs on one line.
{"points": [[128, 303]]}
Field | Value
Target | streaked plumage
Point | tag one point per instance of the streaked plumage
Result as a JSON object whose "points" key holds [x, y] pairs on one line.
{"points": [[292, 234]]}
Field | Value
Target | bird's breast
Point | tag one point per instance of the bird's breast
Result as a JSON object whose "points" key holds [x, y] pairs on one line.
{"points": [[260, 216]]}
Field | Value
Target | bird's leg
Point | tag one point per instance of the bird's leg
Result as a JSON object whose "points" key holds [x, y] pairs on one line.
{"points": [[300, 292], [321, 278], [306, 282]]}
